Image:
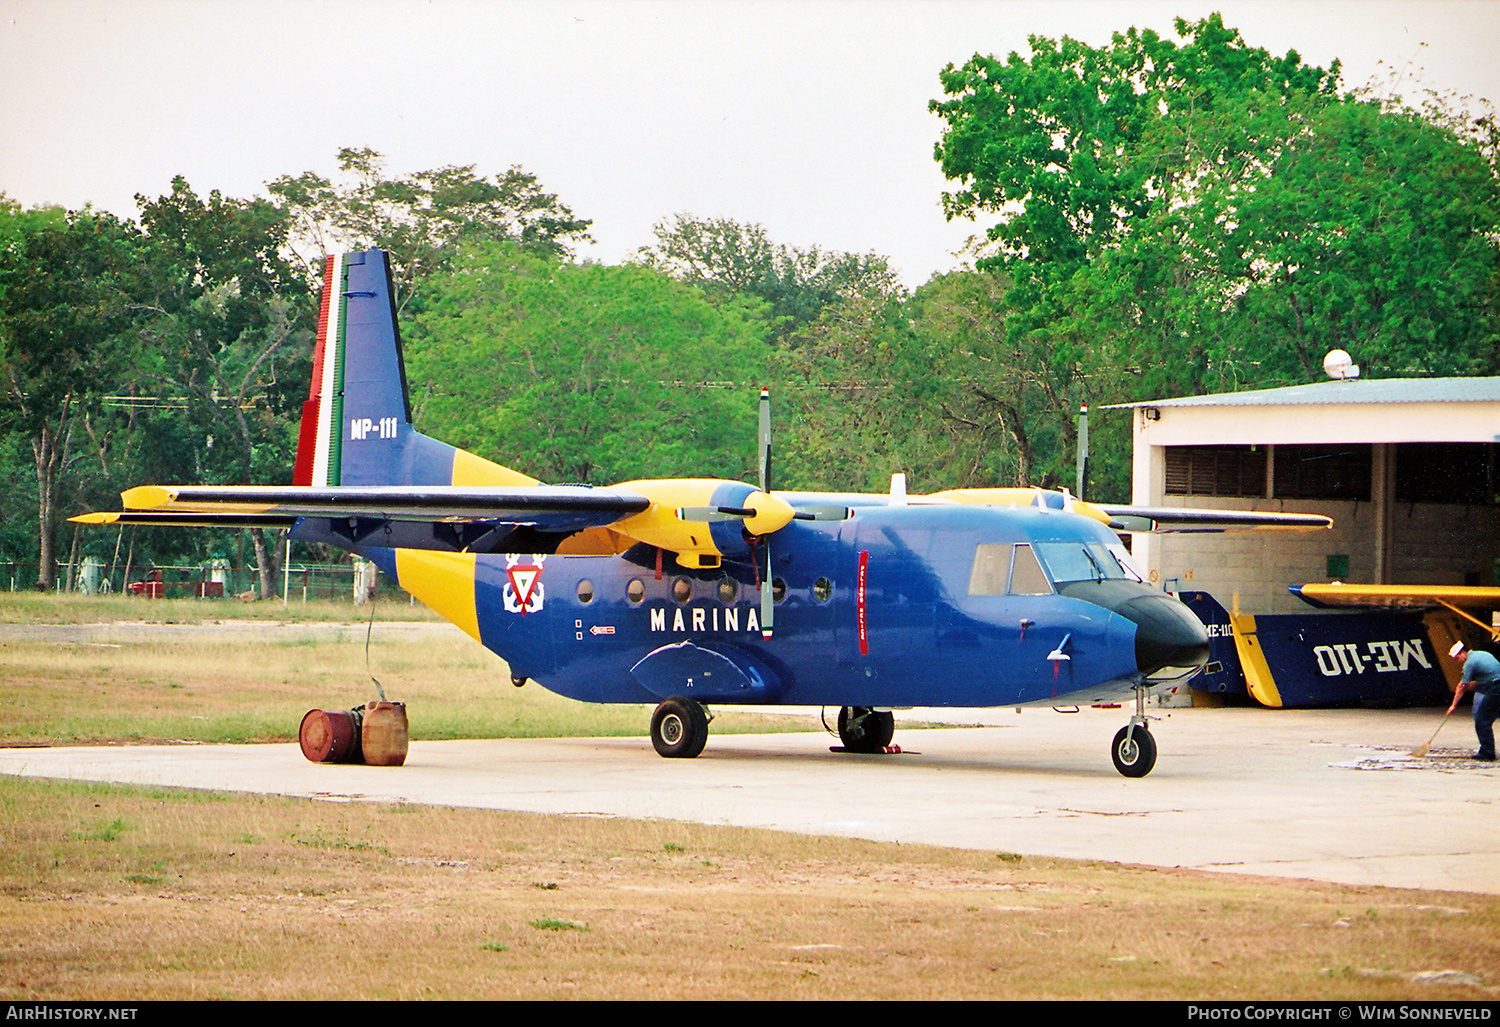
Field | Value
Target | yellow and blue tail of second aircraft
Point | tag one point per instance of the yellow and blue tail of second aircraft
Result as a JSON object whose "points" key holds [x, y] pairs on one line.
{"points": [[356, 423]]}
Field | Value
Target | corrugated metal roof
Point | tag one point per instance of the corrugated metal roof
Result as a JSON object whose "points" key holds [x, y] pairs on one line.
{"points": [[1331, 393]]}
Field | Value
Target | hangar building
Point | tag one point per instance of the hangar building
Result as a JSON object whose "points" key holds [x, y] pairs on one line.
{"points": [[1407, 468]]}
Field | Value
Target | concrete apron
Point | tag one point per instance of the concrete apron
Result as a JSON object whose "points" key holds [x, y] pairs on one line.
{"points": [[1330, 795]]}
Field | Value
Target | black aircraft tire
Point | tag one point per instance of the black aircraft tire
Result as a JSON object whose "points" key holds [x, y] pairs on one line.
{"points": [[679, 728], [864, 730], [1134, 752]]}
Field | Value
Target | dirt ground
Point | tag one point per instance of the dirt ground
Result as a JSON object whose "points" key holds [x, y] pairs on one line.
{"points": [[114, 893]]}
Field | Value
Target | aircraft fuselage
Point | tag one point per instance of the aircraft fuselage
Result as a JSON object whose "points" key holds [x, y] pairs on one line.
{"points": [[893, 606]]}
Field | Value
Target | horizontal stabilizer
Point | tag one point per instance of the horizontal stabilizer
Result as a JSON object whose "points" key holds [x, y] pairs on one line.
{"points": [[1413, 597]]}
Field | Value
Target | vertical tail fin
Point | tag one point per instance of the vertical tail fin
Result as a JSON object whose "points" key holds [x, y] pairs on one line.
{"points": [[1223, 672], [356, 423]]}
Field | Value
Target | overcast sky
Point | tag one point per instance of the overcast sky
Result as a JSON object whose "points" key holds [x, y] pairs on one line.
{"points": [[807, 116]]}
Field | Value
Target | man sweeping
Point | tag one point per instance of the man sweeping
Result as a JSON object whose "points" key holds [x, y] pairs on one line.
{"points": [[1482, 677]]}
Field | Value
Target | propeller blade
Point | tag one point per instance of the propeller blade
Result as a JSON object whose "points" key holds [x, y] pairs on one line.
{"points": [[713, 513], [765, 439], [767, 600], [820, 512]]}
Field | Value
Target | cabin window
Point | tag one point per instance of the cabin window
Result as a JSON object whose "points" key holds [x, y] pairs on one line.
{"points": [[682, 590], [1026, 577], [822, 590], [636, 590], [778, 590], [729, 591], [585, 591]]}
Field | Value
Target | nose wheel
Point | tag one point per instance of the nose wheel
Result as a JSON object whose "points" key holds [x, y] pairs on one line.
{"points": [[1134, 750]]}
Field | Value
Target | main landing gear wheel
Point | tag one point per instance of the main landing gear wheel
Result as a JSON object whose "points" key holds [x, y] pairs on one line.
{"points": [[1134, 751], [679, 728], [865, 730]]}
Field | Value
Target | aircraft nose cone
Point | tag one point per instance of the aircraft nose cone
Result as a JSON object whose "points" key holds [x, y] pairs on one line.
{"points": [[1167, 635]]}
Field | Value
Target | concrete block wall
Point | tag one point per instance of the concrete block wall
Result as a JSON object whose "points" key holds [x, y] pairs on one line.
{"points": [[1260, 565]]}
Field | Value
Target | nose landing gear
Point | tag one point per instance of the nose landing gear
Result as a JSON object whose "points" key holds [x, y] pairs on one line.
{"points": [[1134, 750]]}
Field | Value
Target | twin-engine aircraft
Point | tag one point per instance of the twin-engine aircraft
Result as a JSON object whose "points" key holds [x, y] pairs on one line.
{"points": [[693, 592]]}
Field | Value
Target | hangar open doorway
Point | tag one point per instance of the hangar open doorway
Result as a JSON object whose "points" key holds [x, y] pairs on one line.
{"points": [[1407, 469]]}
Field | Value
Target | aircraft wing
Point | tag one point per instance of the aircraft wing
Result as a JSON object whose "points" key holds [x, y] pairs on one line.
{"points": [[1415, 597], [1131, 518], [1186, 519], [548, 507]]}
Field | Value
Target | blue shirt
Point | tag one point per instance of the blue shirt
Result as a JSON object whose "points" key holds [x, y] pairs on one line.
{"points": [[1482, 669]]}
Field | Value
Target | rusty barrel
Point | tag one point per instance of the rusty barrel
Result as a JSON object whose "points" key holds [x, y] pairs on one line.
{"points": [[332, 736], [384, 734]]}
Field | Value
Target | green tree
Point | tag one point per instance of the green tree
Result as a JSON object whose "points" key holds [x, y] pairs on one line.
{"points": [[1373, 233], [584, 372], [1213, 216], [728, 259], [67, 282], [850, 403], [422, 219], [933, 386], [227, 337]]}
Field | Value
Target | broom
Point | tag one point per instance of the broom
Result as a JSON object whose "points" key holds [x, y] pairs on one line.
{"points": [[1422, 750]]}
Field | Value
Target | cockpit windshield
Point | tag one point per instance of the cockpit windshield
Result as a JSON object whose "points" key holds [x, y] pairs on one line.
{"points": [[1026, 568], [1085, 561]]}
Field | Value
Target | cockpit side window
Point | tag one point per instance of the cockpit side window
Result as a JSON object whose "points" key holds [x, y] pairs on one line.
{"points": [[1026, 577], [991, 570], [1001, 568]]}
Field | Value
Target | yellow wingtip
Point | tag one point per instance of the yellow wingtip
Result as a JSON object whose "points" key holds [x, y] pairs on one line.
{"points": [[147, 497]]}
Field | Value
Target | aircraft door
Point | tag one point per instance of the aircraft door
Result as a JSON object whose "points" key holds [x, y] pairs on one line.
{"points": [[888, 632]]}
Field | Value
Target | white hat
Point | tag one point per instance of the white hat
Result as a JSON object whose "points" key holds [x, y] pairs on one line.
{"points": [[1458, 647]]}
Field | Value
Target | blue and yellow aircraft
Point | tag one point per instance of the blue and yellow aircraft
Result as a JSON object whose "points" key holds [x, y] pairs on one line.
{"points": [[691, 592]]}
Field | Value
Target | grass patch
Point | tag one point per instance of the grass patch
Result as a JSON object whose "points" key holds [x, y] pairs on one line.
{"points": [[179, 906], [53, 608], [549, 924], [102, 832]]}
